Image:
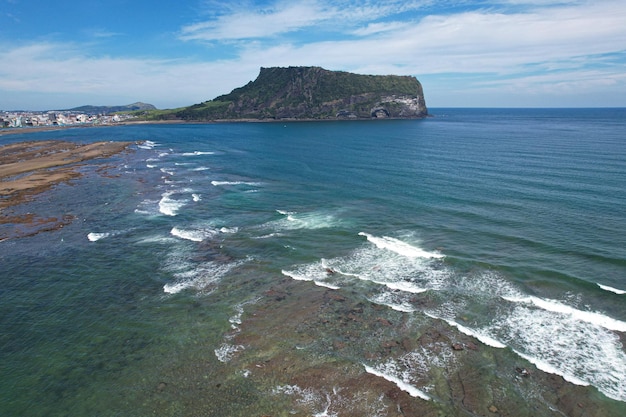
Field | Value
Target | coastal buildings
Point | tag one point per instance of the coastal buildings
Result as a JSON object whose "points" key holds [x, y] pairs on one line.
{"points": [[19, 119]]}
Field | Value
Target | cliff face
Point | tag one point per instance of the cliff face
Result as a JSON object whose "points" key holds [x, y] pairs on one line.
{"points": [[316, 93]]}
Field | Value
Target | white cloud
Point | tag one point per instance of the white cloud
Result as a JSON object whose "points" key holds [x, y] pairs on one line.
{"points": [[256, 24], [567, 48], [244, 21], [60, 69]]}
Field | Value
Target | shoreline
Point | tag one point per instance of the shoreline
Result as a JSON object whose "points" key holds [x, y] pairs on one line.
{"points": [[30, 168], [34, 129]]}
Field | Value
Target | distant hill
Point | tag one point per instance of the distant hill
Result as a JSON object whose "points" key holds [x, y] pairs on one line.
{"points": [[300, 93], [112, 109]]}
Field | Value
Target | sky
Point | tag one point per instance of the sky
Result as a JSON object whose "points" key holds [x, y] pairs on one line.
{"points": [[492, 53]]}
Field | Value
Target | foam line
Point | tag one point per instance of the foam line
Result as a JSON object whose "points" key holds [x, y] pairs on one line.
{"points": [[546, 367], [218, 183], [611, 289], [196, 153], [586, 316], [297, 277], [413, 391], [400, 247], [487, 340]]}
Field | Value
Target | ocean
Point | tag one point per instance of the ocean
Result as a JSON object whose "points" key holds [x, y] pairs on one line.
{"points": [[470, 263]]}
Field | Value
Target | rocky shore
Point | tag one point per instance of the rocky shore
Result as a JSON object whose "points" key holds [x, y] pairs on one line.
{"points": [[28, 169]]}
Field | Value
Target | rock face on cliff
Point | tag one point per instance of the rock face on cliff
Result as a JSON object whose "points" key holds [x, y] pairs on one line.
{"points": [[315, 93]]}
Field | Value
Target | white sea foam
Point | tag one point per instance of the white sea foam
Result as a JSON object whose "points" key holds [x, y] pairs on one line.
{"points": [[326, 285], [477, 334], [405, 286], [226, 352], [201, 169], [148, 144], [229, 230], [292, 220], [170, 206], [554, 306], [326, 403], [268, 236], [168, 171], [393, 301], [196, 197], [195, 235], [221, 183], [400, 247], [157, 239], [611, 289], [148, 208], [94, 237], [551, 369], [198, 276], [410, 389], [394, 271], [583, 353], [150, 166], [197, 153], [305, 396], [310, 273]]}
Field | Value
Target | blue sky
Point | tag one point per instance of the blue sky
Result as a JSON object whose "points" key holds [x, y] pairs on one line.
{"points": [[498, 53]]}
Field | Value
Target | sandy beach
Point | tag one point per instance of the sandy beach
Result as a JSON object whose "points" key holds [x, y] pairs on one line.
{"points": [[30, 168]]}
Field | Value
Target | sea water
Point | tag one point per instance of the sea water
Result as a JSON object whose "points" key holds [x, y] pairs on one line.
{"points": [[505, 226]]}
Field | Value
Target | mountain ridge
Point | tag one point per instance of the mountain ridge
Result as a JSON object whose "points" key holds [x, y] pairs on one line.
{"points": [[89, 109]]}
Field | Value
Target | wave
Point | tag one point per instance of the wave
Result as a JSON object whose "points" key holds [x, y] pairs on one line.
{"points": [[292, 220], [199, 277], [583, 353], [94, 237], [148, 144], [221, 183], [410, 389], [394, 301], [400, 247], [148, 208], [311, 274], [481, 336], [392, 270], [554, 306], [396, 278], [611, 289], [197, 153], [551, 369], [170, 206], [197, 235], [160, 239]]}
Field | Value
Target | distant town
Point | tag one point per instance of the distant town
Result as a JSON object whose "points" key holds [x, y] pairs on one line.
{"points": [[18, 119]]}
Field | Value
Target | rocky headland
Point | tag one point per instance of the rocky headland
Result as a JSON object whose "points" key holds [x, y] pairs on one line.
{"points": [[310, 93]]}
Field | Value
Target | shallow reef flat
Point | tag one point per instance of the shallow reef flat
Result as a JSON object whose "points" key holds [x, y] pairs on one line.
{"points": [[28, 169]]}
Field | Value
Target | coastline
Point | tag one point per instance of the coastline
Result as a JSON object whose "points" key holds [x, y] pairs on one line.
{"points": [[18, 130], [30, 168]]}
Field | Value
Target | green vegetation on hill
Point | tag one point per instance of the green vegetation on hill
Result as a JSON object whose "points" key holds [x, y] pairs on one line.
{"points": [[113, 109], [310, 93]]}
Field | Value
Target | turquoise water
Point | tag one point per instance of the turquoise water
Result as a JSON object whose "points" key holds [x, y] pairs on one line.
{"points": [[504, 226]]}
